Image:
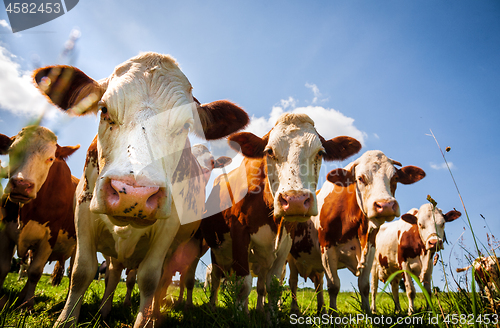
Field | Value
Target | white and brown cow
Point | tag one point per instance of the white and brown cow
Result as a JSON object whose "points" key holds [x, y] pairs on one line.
{"points": [[140, 180], [409, 244], [41, 181], [487, 276], [353, 203], [258, 203]]}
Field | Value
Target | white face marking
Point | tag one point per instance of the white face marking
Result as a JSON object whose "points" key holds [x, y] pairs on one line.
{"points": [[146, 114], [205, 159], [31, 156], [430, 223], [293, 162], [374, 174]]}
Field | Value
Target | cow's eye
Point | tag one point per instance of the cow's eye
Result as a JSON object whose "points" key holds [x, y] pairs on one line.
{"points": [[51, 159], [102, 107], [362, 179], [321, 153], [269, 152], [187, 126]]}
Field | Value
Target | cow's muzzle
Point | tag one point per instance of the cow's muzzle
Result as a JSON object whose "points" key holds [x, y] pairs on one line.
{"points": [[296, 205], [386, 208], [127, 201], [434, 244], [20, 190]]}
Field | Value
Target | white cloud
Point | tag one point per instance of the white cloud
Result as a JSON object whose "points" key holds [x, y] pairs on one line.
{"points": [[290, 102], [19, 95], [315, 91], [4, 23], [330, 123], [441, 166]]}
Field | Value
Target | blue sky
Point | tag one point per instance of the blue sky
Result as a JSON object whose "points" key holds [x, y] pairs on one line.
{"points": [[386, 72]]}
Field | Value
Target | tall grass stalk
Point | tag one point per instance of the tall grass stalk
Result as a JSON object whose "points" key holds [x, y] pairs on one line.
{"points": [[473, 285]]}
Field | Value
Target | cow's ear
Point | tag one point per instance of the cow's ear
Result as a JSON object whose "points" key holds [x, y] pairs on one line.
{"points": [[5, 143], [341, 177], [410, 174], [66, 151], [251, 146], [411, 219], [222, 162], [219, 119], [452, 215], [69, 88], [339, 148]]}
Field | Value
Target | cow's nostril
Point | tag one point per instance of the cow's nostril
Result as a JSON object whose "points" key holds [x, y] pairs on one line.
{"points": [[284, 203], [154, 200], [307, 203]]}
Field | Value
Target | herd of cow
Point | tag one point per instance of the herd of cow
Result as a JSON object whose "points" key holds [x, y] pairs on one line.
{"points": [[141, 199]]}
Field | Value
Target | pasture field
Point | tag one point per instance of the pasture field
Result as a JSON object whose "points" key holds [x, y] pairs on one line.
{"points": [[50, 300]]}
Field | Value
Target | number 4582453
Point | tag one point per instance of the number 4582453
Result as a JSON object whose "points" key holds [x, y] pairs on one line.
{"points": [[33, 8]]}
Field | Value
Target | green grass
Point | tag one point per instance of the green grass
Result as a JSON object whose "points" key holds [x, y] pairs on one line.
{"points": [[49, 302]]}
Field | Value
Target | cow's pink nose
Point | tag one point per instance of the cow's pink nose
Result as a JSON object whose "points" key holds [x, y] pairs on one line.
{"points": [[127, 200], [386, 208], [433, 243], [21, 186], [295, 203]]}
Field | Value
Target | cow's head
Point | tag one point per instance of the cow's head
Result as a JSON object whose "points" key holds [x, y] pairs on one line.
{"points": [[430, 221], [207, 160], [31, 154], [293, 151], [146, 112], [376, 179]]}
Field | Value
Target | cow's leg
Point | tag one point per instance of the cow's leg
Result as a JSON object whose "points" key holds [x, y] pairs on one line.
{"points": [[182, 281], [164, 283], [215, 277], [71, 264], [188, 275], [7, 246], [240, 244], [245, 292], [83, 272], [261, 292], [149, 273], [277, 267], [293, 282], [58, 272], [208, 277], [318, 286], [410, 288], [189, 278], [330, 262], [374, 287], [395, 294], [35, 270], [130, 283], [113, 274], [148, 277], [364, 278]]}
